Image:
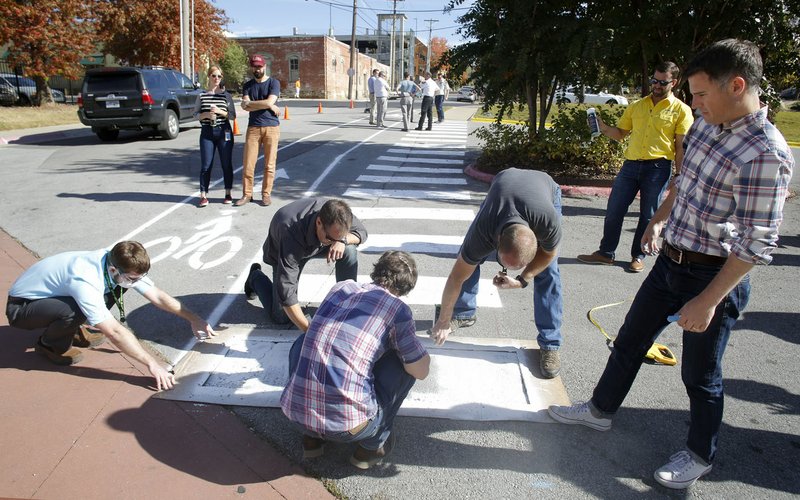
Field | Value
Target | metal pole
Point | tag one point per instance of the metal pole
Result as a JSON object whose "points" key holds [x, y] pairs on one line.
{"points": [[353, 54], [430, 35], [192, 74], [185, 58]]}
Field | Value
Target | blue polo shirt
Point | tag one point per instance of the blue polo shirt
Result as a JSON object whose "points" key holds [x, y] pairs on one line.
{"points": [[80, 275]]}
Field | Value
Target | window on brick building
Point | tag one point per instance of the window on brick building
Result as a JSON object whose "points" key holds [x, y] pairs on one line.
{"points": [[294, 69]]}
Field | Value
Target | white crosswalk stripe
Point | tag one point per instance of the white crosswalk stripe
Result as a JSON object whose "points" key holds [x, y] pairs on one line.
{"points": [[414, 194], [418, 152], [412, 243], [414, 159], [314, 288], [394, 179], [411, 213], [418, 170]]}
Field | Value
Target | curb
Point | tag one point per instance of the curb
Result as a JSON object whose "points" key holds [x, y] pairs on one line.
{"points": [[567, 190]]}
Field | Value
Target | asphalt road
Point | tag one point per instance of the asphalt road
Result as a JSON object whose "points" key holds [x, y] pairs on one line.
{"points": [[71, 191]]}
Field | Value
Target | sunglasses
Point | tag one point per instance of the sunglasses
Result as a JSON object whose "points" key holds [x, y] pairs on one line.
{"points": [[663, 83], [216, 76]]}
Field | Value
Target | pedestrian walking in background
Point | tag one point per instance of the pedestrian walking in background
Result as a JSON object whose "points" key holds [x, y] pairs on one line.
{"points": [[215, 110], [371, 87], [381, 98], [259, 96], [656, 125], [407, 88], [441, 96], [428, 91]]}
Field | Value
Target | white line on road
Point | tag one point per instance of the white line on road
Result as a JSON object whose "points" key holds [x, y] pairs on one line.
{"points": [[414, 194], [411, 180], [433, 146], [314, 288], [408, 213], [418, 170], [416, 159], [407, 151], [412, 243]]}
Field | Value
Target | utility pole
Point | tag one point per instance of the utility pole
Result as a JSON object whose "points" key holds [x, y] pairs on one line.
{"points": [[392, 79], [351, 73], [185, 45], [430, 36]]}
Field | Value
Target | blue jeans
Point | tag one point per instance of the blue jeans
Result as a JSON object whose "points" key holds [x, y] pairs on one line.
{"points": [[650, 179], [665, 290], [548, 305], [220, 139], [439, 102], [392, 384], [346, 269]]}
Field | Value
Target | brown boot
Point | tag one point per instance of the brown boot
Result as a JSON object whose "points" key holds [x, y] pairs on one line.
{"points": [[85, 337], [364, 458], [70, 357], [244, 200], [266, 200]]}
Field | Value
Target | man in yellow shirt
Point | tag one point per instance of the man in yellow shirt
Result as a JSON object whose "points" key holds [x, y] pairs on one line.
{"points": [[656, 125]]}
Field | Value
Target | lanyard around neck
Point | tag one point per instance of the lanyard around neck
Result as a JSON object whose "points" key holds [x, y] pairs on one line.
{"points": [[119, 300]]}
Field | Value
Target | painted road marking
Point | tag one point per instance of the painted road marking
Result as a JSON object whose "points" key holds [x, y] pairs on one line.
{"points": [[367, 213], [417, 152], [411, 180], [414, 194], [415, 159], [412, 243], [314, 287], [417, 170]]}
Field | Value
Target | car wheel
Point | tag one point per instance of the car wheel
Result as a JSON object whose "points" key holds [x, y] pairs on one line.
{"points": [[170, 128], [612, 101], [107, 134]]}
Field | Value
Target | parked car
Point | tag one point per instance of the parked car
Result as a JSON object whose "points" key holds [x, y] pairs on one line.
{"points": [[8, 94], [569, 95], [25, 89], [790, 94], [466, 93], [136, 98]]}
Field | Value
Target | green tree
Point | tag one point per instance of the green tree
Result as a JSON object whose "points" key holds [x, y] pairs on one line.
{"points": [[47, 37], [147, 32], [234, 65], [520, 52]]}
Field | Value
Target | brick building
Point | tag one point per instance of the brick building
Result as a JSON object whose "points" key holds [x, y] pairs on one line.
{"points": [[320, 62]]}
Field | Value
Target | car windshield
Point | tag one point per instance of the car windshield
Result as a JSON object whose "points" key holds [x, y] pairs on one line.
{"points": [[466, 89], [21, 81]]}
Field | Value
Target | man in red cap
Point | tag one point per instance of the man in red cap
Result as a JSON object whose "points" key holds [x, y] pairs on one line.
{"points": [[259, 96]]}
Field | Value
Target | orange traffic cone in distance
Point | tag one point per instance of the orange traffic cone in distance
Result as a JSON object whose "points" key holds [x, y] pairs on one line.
{"points": [[236, 128], [286, 112], [319, 108]]}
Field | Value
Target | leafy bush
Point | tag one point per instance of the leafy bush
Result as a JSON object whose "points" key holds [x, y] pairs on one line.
{"points": [[563, 150]]}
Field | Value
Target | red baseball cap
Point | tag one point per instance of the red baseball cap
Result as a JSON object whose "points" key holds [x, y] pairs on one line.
{"points": [[257, 61]]}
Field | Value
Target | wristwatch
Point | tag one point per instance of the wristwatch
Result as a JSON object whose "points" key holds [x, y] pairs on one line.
{"points": [[522, 281], [343, 241]]}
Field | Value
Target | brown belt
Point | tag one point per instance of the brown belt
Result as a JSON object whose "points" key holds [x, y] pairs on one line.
{"points": [[684, 257]]}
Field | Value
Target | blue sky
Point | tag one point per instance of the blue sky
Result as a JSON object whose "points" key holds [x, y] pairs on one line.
{"points": [[278, 17]]}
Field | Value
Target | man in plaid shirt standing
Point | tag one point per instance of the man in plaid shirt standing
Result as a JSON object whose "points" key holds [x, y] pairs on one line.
{"points": [[350, 372], [721, 219]]}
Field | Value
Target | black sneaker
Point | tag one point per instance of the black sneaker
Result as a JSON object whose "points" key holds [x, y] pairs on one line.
{"points": [[248, 288]]}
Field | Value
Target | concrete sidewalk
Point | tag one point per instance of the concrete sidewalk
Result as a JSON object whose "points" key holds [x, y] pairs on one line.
{"points": [[93, 431]]}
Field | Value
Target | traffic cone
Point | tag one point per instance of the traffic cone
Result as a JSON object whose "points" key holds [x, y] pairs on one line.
{"points": [[351, 104], [286, 112], [236, 128], [319, 108]]}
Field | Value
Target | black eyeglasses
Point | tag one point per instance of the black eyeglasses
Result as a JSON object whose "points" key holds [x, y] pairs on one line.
{"points": [[663, 83]]}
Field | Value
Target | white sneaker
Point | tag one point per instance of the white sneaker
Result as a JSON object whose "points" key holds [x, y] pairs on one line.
{"points": [[681, 472], [579, 414]]}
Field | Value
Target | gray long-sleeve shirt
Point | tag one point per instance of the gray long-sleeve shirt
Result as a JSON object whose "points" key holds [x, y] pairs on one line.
{"points": [[292, 240]]}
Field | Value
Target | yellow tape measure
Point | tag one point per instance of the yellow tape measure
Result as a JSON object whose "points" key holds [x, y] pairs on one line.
{"points": [[657, 352]]}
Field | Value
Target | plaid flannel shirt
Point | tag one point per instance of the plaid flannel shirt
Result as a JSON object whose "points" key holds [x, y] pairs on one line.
{"points": [[732, 189]]}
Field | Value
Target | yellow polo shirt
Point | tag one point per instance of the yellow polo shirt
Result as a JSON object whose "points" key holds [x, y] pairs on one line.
{"points": [[653, 127]]}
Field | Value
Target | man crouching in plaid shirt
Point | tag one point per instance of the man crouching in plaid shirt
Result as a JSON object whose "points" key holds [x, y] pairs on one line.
{"points": [[353, 368]]}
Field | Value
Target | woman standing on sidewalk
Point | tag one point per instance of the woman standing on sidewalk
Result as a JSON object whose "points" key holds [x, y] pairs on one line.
{"points": [[215, 109]]}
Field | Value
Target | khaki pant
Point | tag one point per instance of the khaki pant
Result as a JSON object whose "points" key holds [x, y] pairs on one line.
{"points": [[255, 136]]}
